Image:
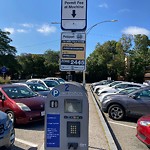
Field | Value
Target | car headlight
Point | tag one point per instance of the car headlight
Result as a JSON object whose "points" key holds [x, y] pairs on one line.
{"points": [[23, 107], [106, 98], [145, 123]]}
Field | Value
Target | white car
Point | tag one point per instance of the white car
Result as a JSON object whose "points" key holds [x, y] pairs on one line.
{"points": [[58, 79], [48, 83], [103, 82], [118, 87], [99, 87], [124, 91]]}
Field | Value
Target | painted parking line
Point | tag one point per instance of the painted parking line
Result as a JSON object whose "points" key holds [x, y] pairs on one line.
{"points": [[26, 142], [122, 124]]}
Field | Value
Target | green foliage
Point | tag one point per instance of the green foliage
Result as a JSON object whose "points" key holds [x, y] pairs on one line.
{"points": [[120, 58], [5, 81], [126, 58], [5, 48]]}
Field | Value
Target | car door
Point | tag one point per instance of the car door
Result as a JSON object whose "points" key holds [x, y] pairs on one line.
{"points": [[140, 104]]}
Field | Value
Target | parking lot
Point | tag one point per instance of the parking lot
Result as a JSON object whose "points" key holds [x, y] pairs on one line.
{"points": [[124, 132], [31, 136]]}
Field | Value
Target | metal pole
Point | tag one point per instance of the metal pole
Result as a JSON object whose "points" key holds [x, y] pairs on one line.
{"points": [[84, 82]]}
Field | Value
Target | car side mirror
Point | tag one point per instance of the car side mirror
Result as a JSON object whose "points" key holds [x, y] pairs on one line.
{"points": [[134, 96]]}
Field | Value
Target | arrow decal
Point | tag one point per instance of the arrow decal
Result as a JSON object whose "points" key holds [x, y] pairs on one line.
{"points": [[73, 13]]}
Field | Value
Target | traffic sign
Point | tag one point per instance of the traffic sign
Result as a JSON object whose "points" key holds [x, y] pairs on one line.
{"points": [[3, 69], [72, 56], [73, 14]]}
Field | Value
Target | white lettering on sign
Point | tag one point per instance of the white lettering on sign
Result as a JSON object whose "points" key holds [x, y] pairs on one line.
{"points": [[71, 94]]}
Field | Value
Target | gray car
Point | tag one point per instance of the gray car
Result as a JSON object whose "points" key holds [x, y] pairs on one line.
{"points": [[135, 104], [7, 133]]}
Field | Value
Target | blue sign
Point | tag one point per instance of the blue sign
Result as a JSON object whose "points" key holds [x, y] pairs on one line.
{"points": [[55, 92], [3, 69], [53, 130]]}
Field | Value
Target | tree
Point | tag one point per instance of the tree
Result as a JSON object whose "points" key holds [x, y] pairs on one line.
{"points": [[32, 65], [139, 57], [5, 48], [102, 62], [7, 54], [51, 62], [126, 42]]}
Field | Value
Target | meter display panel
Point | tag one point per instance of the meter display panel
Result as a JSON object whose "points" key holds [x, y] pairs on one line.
{"points": [[73, 106]]}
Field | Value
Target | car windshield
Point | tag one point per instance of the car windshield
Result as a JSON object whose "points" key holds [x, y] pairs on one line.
{"points": [[19, 92], [128, 91], [61, 80], [51, 83], [114, 83], [38, 87]]}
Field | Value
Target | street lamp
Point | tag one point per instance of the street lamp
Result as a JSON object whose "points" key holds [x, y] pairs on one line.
{"points": [[89, 29], [87, 32]]}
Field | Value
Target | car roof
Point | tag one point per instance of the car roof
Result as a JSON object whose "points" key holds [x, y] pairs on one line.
{"points": [[10, 85], [140, 89]]}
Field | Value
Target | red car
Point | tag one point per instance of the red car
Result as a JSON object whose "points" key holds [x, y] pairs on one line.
{"points": [[143, 130], [21, 104]]}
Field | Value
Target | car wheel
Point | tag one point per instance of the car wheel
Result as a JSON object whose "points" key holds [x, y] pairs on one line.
{"points": [[116, 112], [11, 116]]}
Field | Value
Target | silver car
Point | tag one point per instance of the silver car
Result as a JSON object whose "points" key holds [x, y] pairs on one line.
{"points": [[134, 104], [7, 133]]}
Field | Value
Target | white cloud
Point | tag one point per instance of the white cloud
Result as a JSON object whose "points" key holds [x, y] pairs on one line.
{"points": [[28, 25], [21, 31], [125, 10], [133, 30], [11, 30], [104, 5], [46, 29]]}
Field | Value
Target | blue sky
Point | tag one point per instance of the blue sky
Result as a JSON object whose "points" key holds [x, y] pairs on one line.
{"points": [[29, 22]]}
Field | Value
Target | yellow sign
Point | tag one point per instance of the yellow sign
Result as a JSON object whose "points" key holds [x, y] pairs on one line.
{"points": [[72, 57]]}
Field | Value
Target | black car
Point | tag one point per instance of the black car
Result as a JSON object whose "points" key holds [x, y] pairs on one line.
{"points": [[134, 104]]}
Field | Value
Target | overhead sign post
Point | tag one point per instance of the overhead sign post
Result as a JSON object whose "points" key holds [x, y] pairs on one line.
{"points": [[73, 51], [74, 14]]}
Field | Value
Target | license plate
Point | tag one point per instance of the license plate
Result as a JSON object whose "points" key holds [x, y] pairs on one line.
{"points": [[43, 113]]}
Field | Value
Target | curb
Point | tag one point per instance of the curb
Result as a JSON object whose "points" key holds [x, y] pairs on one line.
{"points": [[109, 136]]}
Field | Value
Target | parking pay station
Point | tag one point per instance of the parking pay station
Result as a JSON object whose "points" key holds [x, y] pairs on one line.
{"points": [[67, 118]]}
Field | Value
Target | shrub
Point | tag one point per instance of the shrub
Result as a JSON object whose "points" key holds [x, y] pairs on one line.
{"points": [[5, 81]]}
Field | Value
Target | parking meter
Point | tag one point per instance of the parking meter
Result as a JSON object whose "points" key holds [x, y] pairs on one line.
{"points": [[67, 118]]}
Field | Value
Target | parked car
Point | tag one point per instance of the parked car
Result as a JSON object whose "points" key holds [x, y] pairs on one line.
{"points": [[143, 130], [48, 83], [129, 90], [108, 84], [134, 104], [7, 132], [37, 88], [103, 82], [21, 104], [119, 87], [58, 79]]}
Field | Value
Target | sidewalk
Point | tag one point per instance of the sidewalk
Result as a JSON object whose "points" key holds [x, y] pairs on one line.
{"points": [[99, 134]]}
